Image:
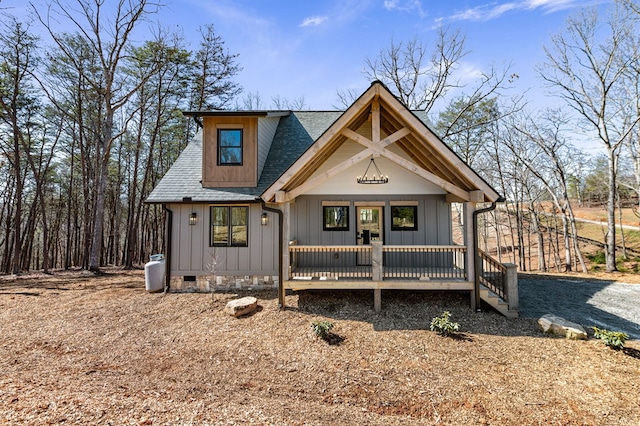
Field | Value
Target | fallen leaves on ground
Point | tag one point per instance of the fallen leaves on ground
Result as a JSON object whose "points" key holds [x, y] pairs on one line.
{"points": [[83, 349]]}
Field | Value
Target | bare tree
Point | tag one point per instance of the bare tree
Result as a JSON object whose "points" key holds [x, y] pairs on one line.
{"points": [[17, 108], [547, 155], [419, 77], [108, 42], [297, 104], [586, 68], [152, 110], [632, 87], [251, 101], [345, 98]]}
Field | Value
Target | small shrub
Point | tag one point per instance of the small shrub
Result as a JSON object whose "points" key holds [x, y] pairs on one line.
{"points": [[613, 339], [443, 325], [322, 329], [598, 258]]}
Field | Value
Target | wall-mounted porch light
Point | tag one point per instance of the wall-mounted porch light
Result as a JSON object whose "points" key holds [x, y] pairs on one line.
{"points": [[193, 218], [264, 219]]}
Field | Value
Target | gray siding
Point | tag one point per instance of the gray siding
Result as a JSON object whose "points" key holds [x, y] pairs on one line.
{"points": [[191, 254], [434, 221]]}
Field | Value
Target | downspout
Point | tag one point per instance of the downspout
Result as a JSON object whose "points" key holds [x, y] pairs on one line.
{"points": [[478, 269], [281, 302], [167, 262]]}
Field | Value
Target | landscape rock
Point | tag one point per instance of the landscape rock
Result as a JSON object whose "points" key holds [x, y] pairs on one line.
{"points": [[242, 306], [558, 326]]}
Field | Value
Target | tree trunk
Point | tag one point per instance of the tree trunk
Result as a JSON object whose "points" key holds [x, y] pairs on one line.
{"points": [[17, 217], [98, 221], [622, 241], [611, 213]]}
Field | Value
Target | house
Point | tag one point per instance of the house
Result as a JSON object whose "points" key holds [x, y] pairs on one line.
{"points": [[354, 199]]}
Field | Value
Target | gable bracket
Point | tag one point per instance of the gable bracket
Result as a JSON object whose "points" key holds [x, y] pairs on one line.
{"points": [[380, 150], [329, 174], [372, 148], [376, 147]]}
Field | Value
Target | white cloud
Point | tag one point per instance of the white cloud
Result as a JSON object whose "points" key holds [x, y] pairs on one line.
{"points": [[391, 4], [551, 5], [490, 11], [313, 21], [405, 6], [468, 73]]}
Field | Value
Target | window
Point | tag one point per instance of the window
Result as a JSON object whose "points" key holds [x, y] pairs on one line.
{"points": [[229, 147], [229, 226], [403, 218], [336, 218]]}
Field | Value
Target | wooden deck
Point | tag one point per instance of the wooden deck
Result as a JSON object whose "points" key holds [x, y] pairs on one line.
{"points": [[379, 267], [346, 284]]}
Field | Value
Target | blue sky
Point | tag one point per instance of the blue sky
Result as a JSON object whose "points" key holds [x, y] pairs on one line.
{"points": [[311, 49]]}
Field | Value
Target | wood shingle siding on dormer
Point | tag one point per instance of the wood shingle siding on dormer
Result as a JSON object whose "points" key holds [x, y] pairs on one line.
{"points": [[228, 176]]}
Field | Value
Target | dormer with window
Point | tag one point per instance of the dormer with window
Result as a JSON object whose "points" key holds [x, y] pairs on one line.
{"points": [[235, 145], [230, 151]]}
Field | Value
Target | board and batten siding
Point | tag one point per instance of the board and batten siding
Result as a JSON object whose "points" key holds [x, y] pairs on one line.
{"points": [[401, 180], [266, 131], [192, 256], [434, 220]]}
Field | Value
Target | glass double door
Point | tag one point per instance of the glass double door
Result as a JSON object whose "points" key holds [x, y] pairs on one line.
{"points": [[368, 229]]}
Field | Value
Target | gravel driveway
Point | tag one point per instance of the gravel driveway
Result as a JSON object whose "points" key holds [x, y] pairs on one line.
{"points": [[603, 303]]}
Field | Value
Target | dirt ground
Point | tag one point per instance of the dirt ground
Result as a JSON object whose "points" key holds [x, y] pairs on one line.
{"points": [[79, 349]]}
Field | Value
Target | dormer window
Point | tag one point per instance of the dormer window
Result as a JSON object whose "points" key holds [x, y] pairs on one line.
{"points": [[229, 147]]}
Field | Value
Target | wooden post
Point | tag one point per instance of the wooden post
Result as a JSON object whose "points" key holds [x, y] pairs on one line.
{"points": [[377, 273], [376, 260], [377, 299], [286, 232], [285, 207], [469, 239], [512, 285]]}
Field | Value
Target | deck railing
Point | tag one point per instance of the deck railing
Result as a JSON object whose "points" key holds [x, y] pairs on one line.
{"points": [[360, 262], [493, 275], [422, 262], [330, 262]]}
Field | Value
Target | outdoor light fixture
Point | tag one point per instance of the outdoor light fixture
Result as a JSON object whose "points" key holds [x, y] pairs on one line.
{"points": [[264, 219], [377, 177], [193, 218]]}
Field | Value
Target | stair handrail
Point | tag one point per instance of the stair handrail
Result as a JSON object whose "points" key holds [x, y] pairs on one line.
{"points": [[493, 275]]}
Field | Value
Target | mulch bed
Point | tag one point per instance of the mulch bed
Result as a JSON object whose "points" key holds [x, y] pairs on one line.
{"points": [[81, 349]]}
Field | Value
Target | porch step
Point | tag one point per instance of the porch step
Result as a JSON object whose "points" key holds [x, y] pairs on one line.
{"points": [[497, 302]]}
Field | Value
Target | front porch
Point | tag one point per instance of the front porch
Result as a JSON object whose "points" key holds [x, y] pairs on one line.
{"points": [[391, 267]]}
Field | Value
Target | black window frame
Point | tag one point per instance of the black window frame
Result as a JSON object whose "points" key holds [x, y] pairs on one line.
{"points": [[225, 147], [229, 225], [394, 227], [344, 209]]}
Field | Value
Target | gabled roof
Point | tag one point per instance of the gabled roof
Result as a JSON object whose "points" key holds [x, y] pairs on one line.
{"points": [[429, 157], [304, 140]]}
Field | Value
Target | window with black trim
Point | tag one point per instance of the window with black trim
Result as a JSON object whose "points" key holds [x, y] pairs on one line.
{"points": [[229, 226], [404, 218], [229, 147], [335, 218]]}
